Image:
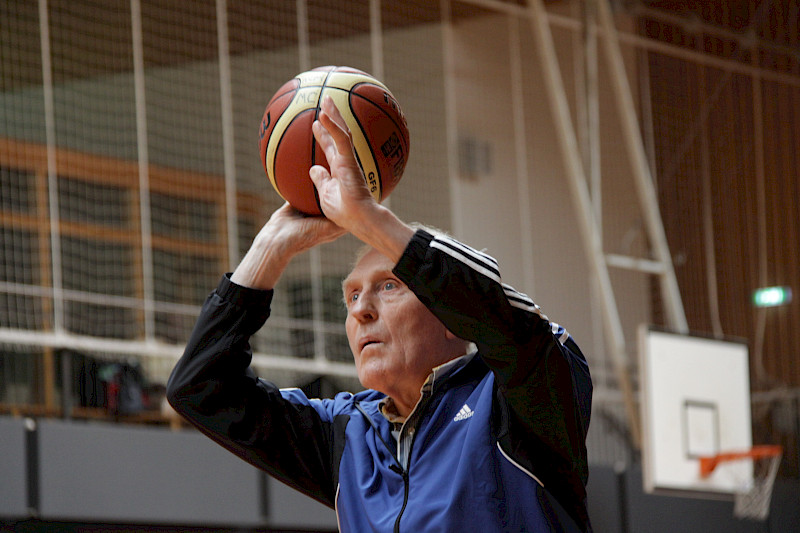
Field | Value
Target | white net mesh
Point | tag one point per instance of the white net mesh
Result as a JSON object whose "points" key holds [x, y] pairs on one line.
{"points": [[117, 180], [753, 502], [130, 178]]}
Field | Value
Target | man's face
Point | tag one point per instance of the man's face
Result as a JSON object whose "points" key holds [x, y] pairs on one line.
{"points": [[395, 339]]}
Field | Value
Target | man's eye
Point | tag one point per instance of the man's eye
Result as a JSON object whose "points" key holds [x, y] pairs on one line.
{"points": [[389, 285], [353, 297]]}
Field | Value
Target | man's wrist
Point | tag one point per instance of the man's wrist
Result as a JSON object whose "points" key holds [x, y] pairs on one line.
{"points": [[382, 230], [262, 265]]}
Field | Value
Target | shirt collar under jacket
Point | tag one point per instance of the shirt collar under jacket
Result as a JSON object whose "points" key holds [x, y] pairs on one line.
{"points": [[439, 373]]}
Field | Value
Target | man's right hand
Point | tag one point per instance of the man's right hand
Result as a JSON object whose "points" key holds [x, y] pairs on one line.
{"points": [[286, 234]]}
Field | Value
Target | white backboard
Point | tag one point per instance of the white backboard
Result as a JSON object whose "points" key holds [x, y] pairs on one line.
{"points": [[695, 398]]}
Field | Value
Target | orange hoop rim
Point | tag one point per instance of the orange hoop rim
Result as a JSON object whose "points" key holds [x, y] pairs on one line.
{"points": [[709, 463]]}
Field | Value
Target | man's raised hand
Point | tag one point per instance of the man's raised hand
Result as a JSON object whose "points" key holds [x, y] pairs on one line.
{"points": [[343, 193]]}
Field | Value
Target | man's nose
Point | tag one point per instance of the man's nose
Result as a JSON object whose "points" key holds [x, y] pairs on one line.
{"points": [[363, 309]]}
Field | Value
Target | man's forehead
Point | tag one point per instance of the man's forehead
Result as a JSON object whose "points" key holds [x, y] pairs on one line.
{"points": [[369, 265]]}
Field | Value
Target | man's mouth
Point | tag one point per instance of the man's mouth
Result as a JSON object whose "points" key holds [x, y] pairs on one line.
{"points": [[367, 342]]}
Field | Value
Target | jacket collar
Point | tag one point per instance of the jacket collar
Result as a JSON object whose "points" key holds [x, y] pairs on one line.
{"points": [[440, 375]]}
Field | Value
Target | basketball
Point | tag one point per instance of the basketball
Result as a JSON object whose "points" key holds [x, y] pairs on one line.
{"points": [[378, 127]]}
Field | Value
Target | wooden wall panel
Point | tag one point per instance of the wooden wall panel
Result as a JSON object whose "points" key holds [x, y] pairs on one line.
{"points": [[742, 135]]}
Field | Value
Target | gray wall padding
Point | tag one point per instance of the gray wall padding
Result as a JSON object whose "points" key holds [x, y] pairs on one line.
{"points": [[13, 468]]}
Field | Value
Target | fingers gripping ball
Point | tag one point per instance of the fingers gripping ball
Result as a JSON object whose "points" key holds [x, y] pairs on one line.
{"points": [[376, 122]]}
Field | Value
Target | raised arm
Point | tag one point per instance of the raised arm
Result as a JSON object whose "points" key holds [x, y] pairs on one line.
{"points": [[213, 386], [542, 378]]}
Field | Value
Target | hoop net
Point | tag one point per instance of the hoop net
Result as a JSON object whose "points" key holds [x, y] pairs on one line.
{"points": [[751, 501]]}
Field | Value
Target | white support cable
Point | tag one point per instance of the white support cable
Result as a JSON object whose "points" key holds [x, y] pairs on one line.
{"points": [[228, 146], [761, 217], [708, 221], [376, 38], [521, 156], [588, 116], [317, 306], [591, 93], [451, 118], [144, 170], [641, 170], [580, 72], [576, 178], [315, 254], [52, 167], [646, 105], [303, 40], [584, 41]]}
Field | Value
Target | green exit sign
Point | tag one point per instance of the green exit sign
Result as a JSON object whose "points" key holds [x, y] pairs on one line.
{"points": [[772, 296]]}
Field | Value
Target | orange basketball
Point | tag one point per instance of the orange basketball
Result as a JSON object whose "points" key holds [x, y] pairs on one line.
{"points": [[377, 125]]}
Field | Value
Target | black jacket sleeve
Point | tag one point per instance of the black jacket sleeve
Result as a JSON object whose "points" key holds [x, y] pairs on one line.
{"points": [[214, 388], [543, 380]]}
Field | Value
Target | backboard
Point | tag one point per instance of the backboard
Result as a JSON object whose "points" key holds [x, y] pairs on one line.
{"points": [[695, 398]]}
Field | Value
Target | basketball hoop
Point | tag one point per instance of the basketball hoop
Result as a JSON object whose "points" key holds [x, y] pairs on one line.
{"points": [[750, 501]]}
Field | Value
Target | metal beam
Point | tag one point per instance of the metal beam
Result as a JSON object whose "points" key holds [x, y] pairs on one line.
{"points": [[641, 169], [554, 87]]}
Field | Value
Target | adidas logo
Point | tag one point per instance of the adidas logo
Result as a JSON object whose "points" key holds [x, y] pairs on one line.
{"points": [[464, 413]]}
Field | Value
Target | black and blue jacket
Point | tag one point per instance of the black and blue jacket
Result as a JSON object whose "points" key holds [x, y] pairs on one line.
{"points": [[496, 442]]}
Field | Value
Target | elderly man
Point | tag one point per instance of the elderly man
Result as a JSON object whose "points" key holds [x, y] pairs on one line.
{"points": [[444, 438]]}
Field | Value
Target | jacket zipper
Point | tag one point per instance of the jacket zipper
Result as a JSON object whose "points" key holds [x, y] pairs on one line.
{"points": [[396, 467], [403, 473]]}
